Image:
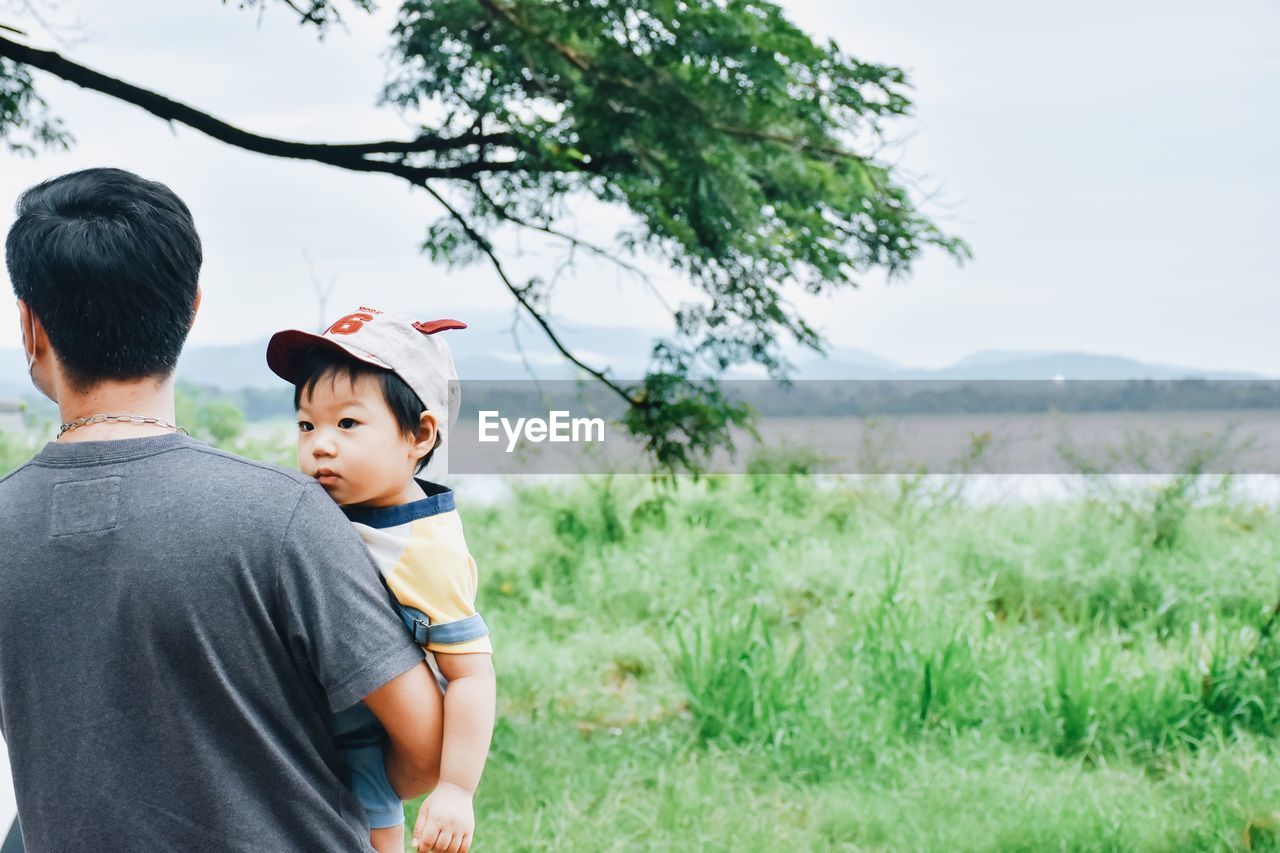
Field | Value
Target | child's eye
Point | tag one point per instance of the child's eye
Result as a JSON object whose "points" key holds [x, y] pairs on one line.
{"points": [[305, 426], [346, 423]]}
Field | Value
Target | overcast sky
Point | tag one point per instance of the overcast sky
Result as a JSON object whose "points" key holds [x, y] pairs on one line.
{"points": [[1112, 165]]}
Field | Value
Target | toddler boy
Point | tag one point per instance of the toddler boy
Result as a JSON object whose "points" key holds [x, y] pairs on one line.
{"points": [[375, 396]]}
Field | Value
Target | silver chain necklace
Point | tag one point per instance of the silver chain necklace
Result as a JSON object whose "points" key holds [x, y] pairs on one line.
{"points": [[131, 419]]}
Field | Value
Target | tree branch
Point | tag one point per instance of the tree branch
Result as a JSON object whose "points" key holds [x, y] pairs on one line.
{"points": [[504, 213], [315, 16], [485, 246], [353, 156], [572, 56], [786, 139]]}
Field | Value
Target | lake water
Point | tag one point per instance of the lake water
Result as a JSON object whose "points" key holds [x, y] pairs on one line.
{"points": [[979, 489]]}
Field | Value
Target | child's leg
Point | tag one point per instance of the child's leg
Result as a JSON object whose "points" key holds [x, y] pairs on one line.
{"points": [[388, 839], [362, 752]]}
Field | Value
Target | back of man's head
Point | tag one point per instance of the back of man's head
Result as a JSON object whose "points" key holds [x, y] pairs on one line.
{"points": [[109, 263]]}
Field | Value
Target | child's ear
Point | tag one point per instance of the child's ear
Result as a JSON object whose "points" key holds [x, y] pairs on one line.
{"points": [[426, 440]]}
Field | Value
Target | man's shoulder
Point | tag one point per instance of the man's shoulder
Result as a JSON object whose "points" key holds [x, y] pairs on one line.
{"points": [[190, 456], [198, 486], [231, 480], [8, 475], [16, 492], [239, 483], [231, 464]]}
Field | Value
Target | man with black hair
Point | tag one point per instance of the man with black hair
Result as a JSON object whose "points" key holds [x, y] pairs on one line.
{"points": [[175, 623]]}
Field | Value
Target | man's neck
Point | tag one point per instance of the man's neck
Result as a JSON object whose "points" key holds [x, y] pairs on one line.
{"points": [[149, 398]]}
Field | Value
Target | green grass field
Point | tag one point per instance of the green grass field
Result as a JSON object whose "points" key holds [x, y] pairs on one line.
{"points": [[777, 662]]}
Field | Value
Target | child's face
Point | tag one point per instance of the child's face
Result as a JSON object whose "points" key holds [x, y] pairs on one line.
{"points": [[349, 440]]}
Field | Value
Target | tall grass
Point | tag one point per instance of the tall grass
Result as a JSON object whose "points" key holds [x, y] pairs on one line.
{"points": [[739, 681], [775, 659]]}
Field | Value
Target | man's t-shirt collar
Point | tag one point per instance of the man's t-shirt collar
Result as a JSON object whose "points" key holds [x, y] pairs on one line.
{"points": [[72, 454]]}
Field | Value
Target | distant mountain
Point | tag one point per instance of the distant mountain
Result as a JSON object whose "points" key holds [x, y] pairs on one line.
{"points": [[846, 363], [994, 364], [486, 350]]}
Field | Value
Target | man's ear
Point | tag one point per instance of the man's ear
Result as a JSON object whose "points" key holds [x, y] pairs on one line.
{"points": [[195, 307], [41, 359], [427, 426], [33, 335]]}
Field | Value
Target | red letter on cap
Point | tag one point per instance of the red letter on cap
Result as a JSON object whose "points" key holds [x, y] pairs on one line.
{"points": [[349, 324]]}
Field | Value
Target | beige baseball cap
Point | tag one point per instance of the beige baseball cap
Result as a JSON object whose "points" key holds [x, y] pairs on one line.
{"points": [[412, 350]]}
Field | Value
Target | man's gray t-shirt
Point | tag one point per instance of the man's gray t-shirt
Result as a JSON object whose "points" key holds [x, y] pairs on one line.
{"points": [[175, 625]]}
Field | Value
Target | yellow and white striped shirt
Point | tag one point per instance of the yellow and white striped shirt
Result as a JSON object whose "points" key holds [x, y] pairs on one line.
{"points": [[422, 554]]}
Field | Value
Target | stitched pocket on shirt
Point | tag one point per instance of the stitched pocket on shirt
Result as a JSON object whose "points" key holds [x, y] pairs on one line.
{"points": [[85, 506]]}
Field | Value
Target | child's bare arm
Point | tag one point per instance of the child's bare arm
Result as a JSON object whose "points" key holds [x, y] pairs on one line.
{"points": [[446, 820], [468, 717]]}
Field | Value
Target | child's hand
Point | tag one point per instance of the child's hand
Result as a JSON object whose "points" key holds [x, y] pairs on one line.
{"points": [[445, 822]]}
